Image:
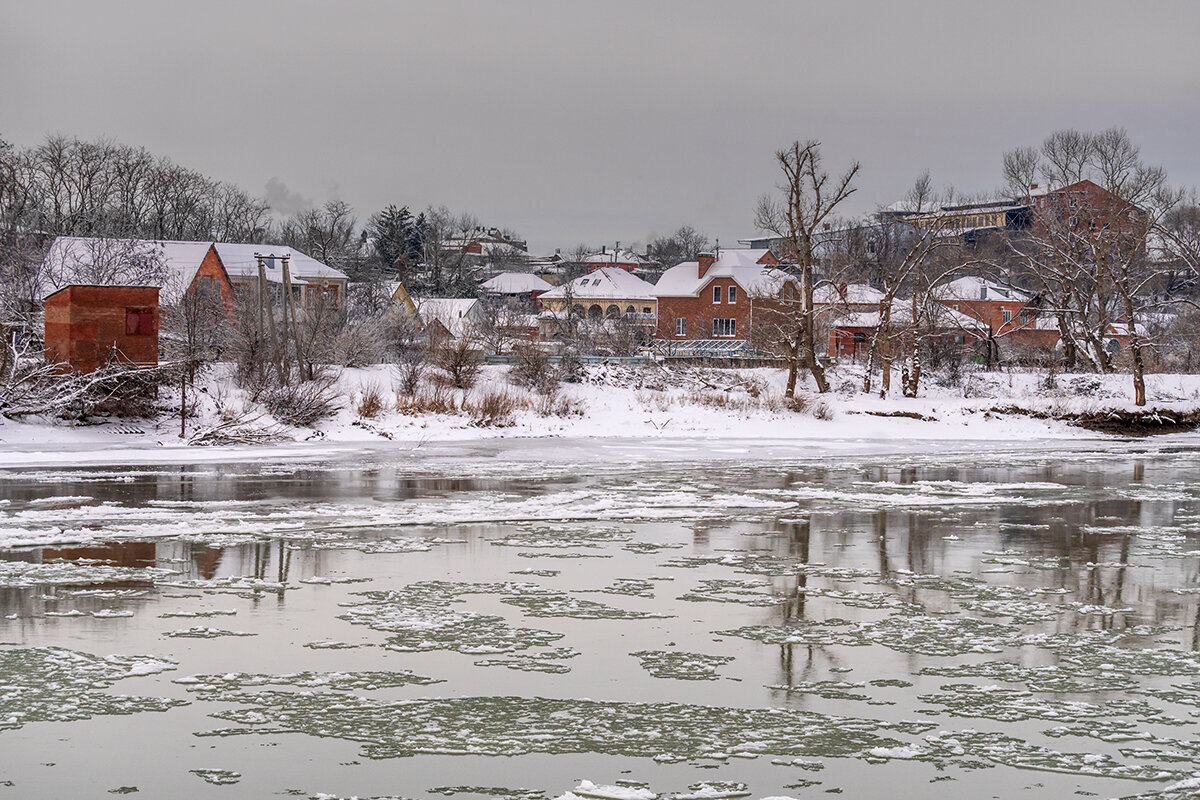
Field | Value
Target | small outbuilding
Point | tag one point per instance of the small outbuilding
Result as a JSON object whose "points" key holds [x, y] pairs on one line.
{"points": [[89, 326]]}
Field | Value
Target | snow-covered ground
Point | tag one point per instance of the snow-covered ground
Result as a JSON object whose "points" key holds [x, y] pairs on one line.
{"points": [[639, 404]]}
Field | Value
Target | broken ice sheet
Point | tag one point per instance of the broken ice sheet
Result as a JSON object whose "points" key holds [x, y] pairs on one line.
{"points": [[218, 777], [548, 661], [511, 726], [204, 632], [679, 665], [219, 686], [419, 617], [54, 684]]}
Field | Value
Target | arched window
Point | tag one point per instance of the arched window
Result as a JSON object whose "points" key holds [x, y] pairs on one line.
{"points": [[629, 309], [577, 311], [595, 312], [612, 312]]}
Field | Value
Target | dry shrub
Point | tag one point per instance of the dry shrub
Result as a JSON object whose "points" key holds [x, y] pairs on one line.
{"points": [[731, 401], [555, 405], [495, 409], [432, 400], [370, 402], [822, 410], [799, 404], [408, 375], [458, 362], [304, 404], [533, 369]]}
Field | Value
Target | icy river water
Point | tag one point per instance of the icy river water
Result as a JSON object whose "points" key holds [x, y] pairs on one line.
{"points": [[697, 622]]}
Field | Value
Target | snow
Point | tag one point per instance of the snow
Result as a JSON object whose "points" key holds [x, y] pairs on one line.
{"points": [[515, 283], [644, 412], [971, 288], [181, 261], [683, 280], [605, 283], [455, 314]]}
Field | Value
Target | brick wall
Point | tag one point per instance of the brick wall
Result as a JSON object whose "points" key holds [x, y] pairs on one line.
{"points": [[86, 324]]}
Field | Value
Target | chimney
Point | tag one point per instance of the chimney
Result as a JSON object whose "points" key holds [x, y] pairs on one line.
{"points": [[706, 261]]}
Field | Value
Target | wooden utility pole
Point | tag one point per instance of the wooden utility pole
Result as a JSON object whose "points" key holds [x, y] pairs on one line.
{"points": [[264, 303], [290, 301]]}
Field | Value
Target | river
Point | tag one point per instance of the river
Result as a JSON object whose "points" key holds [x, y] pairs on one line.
{"points": [[693, 622]]}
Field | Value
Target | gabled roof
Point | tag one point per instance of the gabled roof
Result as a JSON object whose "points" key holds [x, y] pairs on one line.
{"points": [[170, 266], [615, 257], [453, 313], [740, 265], [852, 294], [515, 283], [240, 261], [972, 288], [606, 283], [944, 317]]}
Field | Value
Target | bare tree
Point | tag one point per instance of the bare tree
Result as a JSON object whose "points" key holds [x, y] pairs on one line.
{"points": [[809, 200]]}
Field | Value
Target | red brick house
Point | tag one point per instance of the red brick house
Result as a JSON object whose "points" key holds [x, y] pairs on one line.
{"points": [[89, 326], [716, 296], [1003, 310]]}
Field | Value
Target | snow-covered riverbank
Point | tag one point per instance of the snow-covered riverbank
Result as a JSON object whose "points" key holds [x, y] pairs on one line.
{"points": [[691, 408]]}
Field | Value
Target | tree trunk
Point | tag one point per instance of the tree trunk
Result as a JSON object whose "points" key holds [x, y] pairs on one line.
{"points": [[793, 349], [808, 329]]}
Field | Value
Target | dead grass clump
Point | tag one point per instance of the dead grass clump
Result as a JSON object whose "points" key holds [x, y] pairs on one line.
{"points": [[799, 403], [822, 410], [555, 405], [370, 402], [434, 399], [757, 400], [494, 409]]}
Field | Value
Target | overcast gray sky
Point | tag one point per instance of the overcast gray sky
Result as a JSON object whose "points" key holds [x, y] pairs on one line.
{"points": [[595, 122]]}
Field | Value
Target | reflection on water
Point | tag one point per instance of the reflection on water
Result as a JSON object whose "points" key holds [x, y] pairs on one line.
{"points": [[1026, 628]]}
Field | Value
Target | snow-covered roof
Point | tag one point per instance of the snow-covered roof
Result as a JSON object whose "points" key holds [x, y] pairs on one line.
{"points": [[615, 257], [851, 294], [515, 283], [605, 283], [972, 288], [454, 313], [240, 261], [683, 280], [901, 315], [170, 265]]}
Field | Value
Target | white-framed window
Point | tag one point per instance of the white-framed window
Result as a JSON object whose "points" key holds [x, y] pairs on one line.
{"points": [[732, 294], [716, 294], [1006, 315], [681, 327], [724, 327]]}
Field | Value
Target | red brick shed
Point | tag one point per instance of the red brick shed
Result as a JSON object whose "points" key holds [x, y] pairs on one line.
{"points": [[87, 326]]}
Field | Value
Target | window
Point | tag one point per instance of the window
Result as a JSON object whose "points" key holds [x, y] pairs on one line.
{"points": [[724, 327], [139, 322], [1073, 221], [732, 294], [716, 294], [1006, 315], [681, 327]]}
